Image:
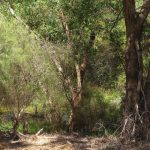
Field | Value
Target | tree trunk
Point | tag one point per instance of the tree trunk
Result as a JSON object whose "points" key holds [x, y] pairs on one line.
{"points": [[75, 106], [134, 125], [15, 126], [147, 90], [73, 120], [134, 86], [146, 114], [25, 127]]}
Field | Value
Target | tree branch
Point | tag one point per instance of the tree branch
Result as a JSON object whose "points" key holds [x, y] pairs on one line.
{"points": [[64, 77], [145, 9], [65, 27], [116, 20]]}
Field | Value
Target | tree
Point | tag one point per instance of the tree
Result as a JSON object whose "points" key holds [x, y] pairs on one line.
{"points": [[135, 113], [75, 22], [16, 78], [83, 26]]}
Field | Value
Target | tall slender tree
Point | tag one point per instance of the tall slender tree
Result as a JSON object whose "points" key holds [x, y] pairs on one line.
{"points": [[76, 18]]}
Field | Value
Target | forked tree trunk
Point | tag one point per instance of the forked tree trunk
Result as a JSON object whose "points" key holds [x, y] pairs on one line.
{"points": [[135, 103]]}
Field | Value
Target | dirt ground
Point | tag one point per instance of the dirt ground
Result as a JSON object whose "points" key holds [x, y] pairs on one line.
{"points": [[62, 142]]}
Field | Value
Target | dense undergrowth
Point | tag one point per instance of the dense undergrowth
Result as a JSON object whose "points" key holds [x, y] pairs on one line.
{"points": [[29, 80]]}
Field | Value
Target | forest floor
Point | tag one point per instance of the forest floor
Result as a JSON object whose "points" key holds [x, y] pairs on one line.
{"points": [[63, 142]]}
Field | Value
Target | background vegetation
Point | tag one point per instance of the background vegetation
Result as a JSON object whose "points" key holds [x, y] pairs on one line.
{"points": [[33, 34]]}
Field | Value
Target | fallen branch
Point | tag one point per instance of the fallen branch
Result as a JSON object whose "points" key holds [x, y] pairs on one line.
{"points": [[21, 135], [39, 132], [14, 142]]}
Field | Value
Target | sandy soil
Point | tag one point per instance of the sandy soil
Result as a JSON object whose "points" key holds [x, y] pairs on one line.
{"points": [[61, 142]]}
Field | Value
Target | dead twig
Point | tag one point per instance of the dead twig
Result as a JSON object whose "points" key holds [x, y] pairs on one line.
{"points": [[21, 135], [39, 132]]}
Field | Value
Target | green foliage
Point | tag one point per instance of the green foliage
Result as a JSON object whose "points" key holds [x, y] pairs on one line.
{"points": [[26, 68], [41, 16], [100, 111], [36, 124], [5, 126], [27, 73], [15, 51]]}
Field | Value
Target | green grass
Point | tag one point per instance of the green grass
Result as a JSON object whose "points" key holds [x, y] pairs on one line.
{"points": [[5, 126], [34, 126]]}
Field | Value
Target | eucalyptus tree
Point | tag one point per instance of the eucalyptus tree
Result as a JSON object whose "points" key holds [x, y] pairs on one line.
{"points": [[78, 22], [136, 102], [86, 28]]}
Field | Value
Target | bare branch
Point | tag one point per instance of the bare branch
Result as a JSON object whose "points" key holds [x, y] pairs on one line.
{"points": [[39, 132], [65, 79]]}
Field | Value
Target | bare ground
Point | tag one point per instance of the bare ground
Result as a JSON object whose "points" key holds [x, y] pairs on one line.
{"points": [[63, 142]]}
